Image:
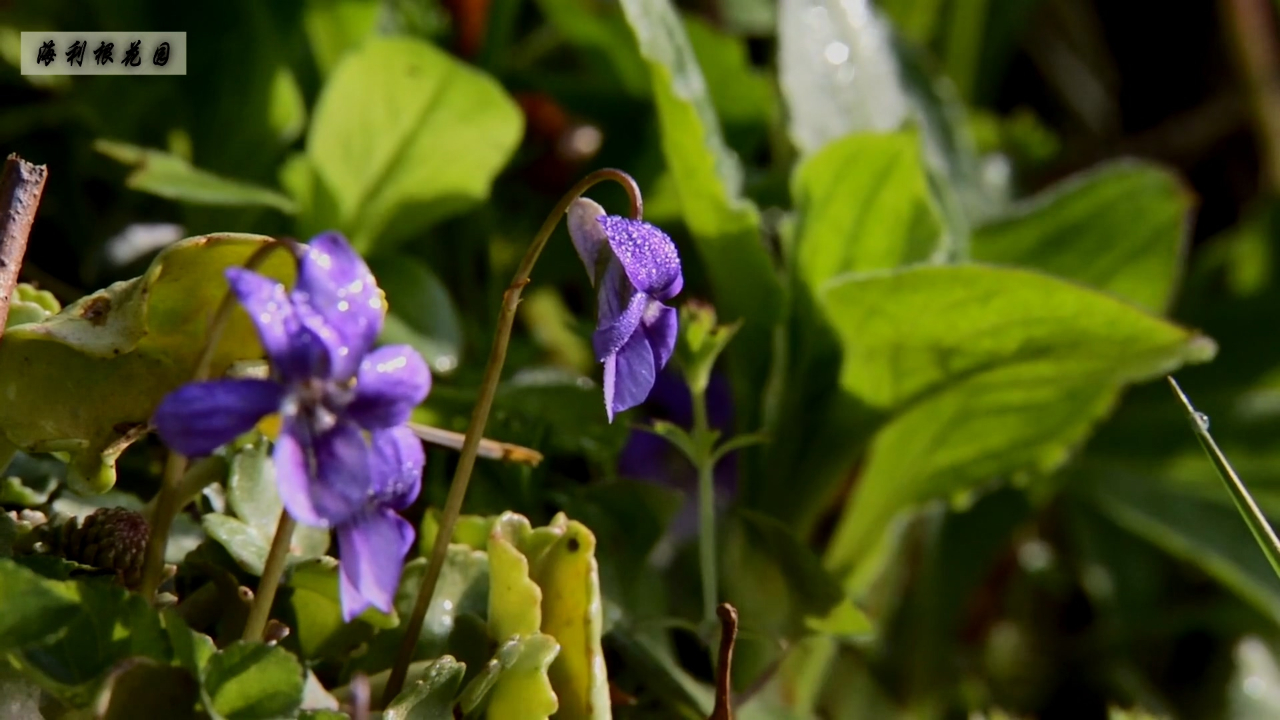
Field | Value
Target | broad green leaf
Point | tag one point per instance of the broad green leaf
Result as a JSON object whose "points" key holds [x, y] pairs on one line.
{"points": [[252, 681], [240, 539], [515, 601], [566, 571], [143, 688], [109, 625], [317, 610], [431, 697], [404, 135], [1122, 228], [909, 332], [420, 311], [169, 176], [864, 204], [335, 27], [514, 683], [94, 373], [838, 71], [31, 607], [986, 371], [708, 177], [252, 495]]}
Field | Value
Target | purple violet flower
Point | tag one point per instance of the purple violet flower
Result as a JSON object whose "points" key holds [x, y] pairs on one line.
{"points": [[331, 389], [634, 266]]}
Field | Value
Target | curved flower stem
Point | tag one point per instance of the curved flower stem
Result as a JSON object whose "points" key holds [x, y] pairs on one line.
{"points": [[170, 499], [480, 414], [272, 569]]}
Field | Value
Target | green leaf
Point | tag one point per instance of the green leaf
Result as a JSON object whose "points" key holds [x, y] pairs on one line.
{"points": [[109, 626], [864, 204], [317, 610], [1122, 228], [708, 177], [169, 176], [335, 27], [31, 607], [515, 601], [431, 697], [987, 371], [420, 311], [85, 380], [252, 681], [252, 495], [562, 561], [1189, 524], [514, 683], [404, 136]]}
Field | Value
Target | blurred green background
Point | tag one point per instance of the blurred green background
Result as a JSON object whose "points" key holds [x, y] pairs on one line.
{"points": [[964, 236]]}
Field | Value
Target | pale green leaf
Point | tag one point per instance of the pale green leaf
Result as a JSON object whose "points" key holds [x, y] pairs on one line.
{"points": [[1122, 228], [864, 204], [169, 176], [252, 681], [985, 371], [404, 135]]}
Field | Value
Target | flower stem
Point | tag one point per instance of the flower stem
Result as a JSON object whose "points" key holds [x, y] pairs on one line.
{"points": [[480, 414], [706, 506], [272, 569], [170, 499]]}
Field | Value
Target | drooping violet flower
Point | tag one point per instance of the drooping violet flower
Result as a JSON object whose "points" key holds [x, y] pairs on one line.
{"points": [[330, 388], [634, 266]]}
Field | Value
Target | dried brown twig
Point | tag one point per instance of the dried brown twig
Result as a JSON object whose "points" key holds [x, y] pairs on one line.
{"points": [[724, 669], [21, 185]]}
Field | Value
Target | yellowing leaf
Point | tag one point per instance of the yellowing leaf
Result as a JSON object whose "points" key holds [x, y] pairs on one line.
{"points": [[86, 380]]}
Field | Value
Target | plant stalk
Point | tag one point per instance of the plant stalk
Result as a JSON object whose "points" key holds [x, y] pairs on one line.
{"points": [[272, 569], [1249, 510], [170, 499], [706, 506], [480, 414]]}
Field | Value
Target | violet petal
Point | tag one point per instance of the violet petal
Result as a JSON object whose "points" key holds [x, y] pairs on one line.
{"points": [[199, 417], [647, 254], [335, 282], [372, 548], [628, 375], [395, 466], [661, 324], [588, 235], [392, 381], [328, 484], [294, 350]]}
